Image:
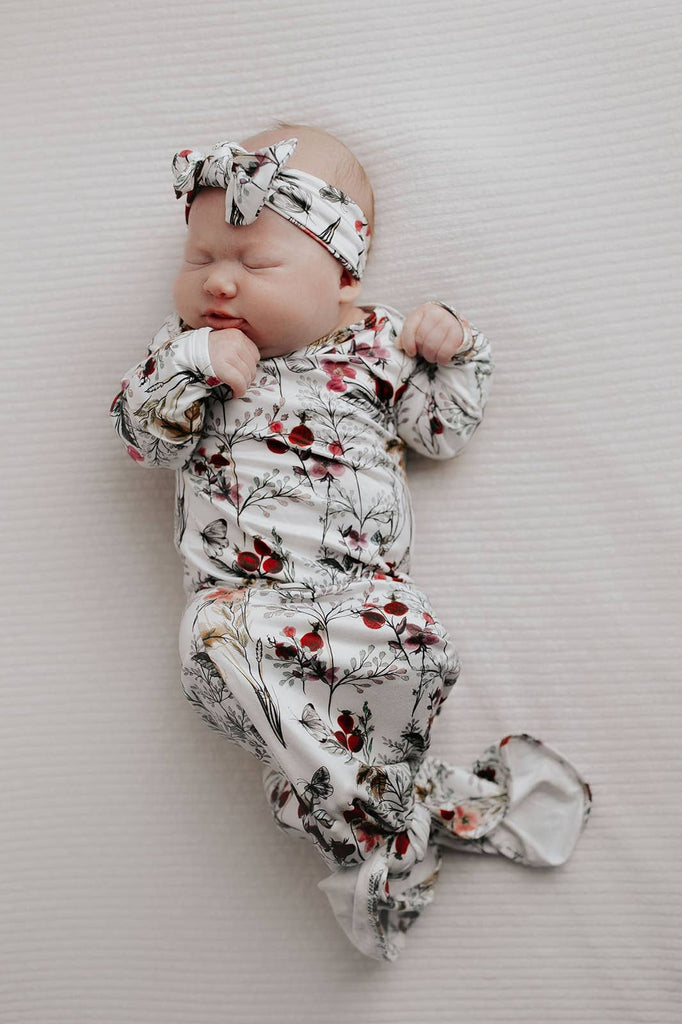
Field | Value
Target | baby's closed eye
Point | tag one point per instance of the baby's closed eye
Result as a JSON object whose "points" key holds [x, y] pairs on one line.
{"points": [[261, 265]]}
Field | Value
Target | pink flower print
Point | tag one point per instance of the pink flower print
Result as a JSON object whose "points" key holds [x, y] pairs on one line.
{"points": [[134, 454], [323, 469], [221, 594], [420, 638], [336, 372], [336, 448], [466, 819], [372, 353], [289, 631], [357, 540], [463, 818]]}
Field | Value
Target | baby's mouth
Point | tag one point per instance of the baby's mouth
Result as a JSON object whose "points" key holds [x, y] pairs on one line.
{"points": [[220, 320]]}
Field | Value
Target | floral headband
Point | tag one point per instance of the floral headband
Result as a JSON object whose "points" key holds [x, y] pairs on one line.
{"points": [[254, 180]]}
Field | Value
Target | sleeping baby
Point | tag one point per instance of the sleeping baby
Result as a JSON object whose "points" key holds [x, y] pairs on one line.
{"points": [[285, 406]]}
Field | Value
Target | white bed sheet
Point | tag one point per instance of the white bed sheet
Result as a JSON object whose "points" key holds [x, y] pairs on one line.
{"points": [[525, 159]]}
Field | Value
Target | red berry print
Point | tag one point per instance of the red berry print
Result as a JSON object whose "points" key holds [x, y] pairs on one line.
{"points": [[354, 815], [261, 547], [346, 721], [373, 619], [396, 608], [401, 844], [384, 390], [301, 436], [355, 740], [313, 641], [278, 447], [248, 561], [273, 564]]}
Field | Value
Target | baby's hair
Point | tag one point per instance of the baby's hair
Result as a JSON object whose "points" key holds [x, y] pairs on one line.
{"points": [[349, 174]]}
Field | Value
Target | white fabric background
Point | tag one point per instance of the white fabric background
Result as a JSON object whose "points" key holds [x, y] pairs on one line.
{"points": [[525, 158]]}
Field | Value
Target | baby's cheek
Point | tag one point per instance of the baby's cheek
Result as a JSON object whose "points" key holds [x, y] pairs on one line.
{"points": [[185, 294]]}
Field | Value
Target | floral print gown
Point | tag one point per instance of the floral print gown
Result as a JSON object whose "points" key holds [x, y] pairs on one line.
{"points": [[304, 639]]}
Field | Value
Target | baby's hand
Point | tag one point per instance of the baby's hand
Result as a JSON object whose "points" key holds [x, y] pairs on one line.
{"points": [[433, 333], [234, 358]]}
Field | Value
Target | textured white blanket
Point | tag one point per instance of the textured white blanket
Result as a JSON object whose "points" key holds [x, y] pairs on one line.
{"points": [[525, 162]]}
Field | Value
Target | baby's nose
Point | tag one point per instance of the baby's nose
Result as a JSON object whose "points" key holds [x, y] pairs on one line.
{"points": [[222, 279]]}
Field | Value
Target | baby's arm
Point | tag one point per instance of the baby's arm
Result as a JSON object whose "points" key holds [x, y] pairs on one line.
{"points": [[445, 381], [159, 412]]}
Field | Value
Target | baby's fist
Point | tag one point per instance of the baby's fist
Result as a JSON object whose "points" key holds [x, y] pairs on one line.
{"points": [[234, 358], [433, 333]]}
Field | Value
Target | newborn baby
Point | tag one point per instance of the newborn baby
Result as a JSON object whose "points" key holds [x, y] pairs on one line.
{"points": [[285, 407]]}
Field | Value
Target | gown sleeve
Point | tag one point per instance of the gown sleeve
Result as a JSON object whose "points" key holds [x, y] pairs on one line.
{"points": [[159, 411], [439, 407]]}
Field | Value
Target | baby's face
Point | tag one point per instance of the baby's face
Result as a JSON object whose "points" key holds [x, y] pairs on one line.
{"points": [[271, 280]]}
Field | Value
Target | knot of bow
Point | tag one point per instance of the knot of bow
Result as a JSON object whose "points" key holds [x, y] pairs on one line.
{"points": [[247, 177]]}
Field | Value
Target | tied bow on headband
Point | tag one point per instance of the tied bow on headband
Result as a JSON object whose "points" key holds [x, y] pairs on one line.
{"points": [[247, 177], [254, 180]]}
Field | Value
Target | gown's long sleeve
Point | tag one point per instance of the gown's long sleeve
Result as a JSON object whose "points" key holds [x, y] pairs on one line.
{"points": [[438, 408], [159, 411]]}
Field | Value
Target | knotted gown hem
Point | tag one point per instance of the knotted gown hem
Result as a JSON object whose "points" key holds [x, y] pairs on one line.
{"points": [[335, 690]]}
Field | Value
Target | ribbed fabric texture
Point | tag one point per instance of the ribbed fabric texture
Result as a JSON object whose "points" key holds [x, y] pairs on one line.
{"points": [[525, 161]]}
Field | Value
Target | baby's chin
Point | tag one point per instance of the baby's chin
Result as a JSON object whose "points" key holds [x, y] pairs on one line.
{"points": [[271, 349]]}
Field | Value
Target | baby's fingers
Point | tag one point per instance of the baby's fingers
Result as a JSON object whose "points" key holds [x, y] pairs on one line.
{"points": [[438, 339], [407, 339]]}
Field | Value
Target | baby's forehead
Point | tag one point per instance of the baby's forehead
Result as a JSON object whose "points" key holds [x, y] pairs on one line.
{"points": [[207, 224]]}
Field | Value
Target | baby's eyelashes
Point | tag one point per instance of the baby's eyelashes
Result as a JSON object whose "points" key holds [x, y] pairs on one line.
{"points": [[247, 265]]}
